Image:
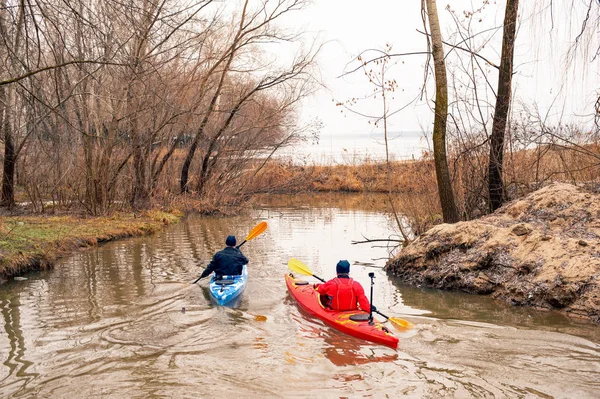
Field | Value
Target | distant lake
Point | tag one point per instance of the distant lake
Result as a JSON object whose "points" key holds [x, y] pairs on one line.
{"points": [[357, 148]]}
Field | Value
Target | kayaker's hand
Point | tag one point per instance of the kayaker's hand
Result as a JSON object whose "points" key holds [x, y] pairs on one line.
{"points": [[373, 308], [203, 275]]}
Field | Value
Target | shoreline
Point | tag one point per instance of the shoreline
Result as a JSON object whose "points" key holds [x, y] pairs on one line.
{"points": [[536, 252], [540, 251], [34, 243]]}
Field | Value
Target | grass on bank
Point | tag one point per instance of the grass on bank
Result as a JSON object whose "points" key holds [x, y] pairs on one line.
{"points": [[34, 242]]}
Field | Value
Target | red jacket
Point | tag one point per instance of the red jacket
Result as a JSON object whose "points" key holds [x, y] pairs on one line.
{"points": [[345, 294]]}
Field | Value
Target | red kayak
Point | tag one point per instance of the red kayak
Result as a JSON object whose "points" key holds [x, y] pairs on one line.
{"points": [[308, 299]]}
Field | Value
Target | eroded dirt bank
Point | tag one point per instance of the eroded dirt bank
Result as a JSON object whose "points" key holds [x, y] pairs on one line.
{"points": [[542, 250]]}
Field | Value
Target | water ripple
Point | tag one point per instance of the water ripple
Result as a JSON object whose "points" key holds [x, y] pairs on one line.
{"points": [[122, 320]]}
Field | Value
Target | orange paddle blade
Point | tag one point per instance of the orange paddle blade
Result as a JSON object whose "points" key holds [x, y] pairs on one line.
{"points": [[257, 230]]}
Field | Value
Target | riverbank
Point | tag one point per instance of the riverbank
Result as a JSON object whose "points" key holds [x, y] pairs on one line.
{"points": [[542, 250], [412, 184], [32, 243], [367, 176], [113, 318]]}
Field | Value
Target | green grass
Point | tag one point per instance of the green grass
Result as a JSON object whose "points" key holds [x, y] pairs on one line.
{"points": [[34, 242]]}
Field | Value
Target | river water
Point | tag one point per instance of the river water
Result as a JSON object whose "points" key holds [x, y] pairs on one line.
{"points": [[120, 321]]}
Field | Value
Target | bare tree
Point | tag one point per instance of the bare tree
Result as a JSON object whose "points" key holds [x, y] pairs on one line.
{"points": [[299, 70], [449, 209], [101, 97], [253, 27], [227, 60], [20, 50], [12, 30], [503, 98]]}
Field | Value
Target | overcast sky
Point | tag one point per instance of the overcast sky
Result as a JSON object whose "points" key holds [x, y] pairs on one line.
{"points": [[351, 26]]}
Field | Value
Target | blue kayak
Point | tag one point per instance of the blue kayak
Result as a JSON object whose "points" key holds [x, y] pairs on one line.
{"points": [[228, 288]]}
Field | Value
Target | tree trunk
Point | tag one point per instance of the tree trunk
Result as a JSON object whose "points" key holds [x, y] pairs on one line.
{"points": [[8, 101], [140, 196], [8, 177], [449, 210], [207, 165], [185, 169], [495, 184]]}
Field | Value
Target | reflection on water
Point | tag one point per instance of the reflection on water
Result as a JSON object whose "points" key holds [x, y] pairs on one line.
{"points": [[465, 307], [338, 201], [122, 320]]}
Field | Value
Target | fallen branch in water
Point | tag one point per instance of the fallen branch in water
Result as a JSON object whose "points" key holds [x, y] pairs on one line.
{"points": [[376, 267], [376, 240]]}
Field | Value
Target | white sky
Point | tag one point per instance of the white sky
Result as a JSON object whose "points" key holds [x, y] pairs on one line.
{"points": [[351, 26]]}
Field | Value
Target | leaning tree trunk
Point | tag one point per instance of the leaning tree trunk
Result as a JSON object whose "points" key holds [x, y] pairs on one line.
{"points": [[185, 169], [495, 185], [140, 195], [449, 210]]}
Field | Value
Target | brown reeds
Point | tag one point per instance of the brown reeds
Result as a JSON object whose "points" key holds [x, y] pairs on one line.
{"points": [[413, 183]]}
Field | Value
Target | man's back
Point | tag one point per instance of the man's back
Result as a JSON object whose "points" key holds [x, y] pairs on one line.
{"points": [[344, 294], [227, 262]]}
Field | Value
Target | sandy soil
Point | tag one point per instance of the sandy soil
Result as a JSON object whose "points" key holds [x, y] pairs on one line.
{"points": [[542, 250]]}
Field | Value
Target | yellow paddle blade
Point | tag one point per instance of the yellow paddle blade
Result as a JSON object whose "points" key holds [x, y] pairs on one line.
{"points": [[296, 266], [257, 230], [403, 324]]}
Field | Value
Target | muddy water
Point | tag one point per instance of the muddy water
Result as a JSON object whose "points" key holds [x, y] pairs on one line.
{"points": [[118, 321]]}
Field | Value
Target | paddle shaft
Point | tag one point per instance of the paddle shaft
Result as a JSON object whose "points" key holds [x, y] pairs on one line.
{"points": [[381, 314], [198, 279]]}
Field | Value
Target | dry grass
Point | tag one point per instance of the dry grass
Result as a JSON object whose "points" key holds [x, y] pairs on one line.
{"points": [[413, 184], [367, 177]]}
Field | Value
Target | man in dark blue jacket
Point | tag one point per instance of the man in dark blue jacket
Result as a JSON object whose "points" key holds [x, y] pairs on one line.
{"points": [[227, 262]]}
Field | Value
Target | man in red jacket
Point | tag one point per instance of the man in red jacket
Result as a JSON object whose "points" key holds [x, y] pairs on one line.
{"points": [[342, 292]]}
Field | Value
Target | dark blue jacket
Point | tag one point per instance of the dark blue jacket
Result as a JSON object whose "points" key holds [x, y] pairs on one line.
{"points": [[227, 262]]}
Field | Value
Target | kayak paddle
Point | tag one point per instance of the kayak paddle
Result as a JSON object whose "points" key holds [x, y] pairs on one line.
{"points": [[297, 266], [403, 324], [255, 232]]}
